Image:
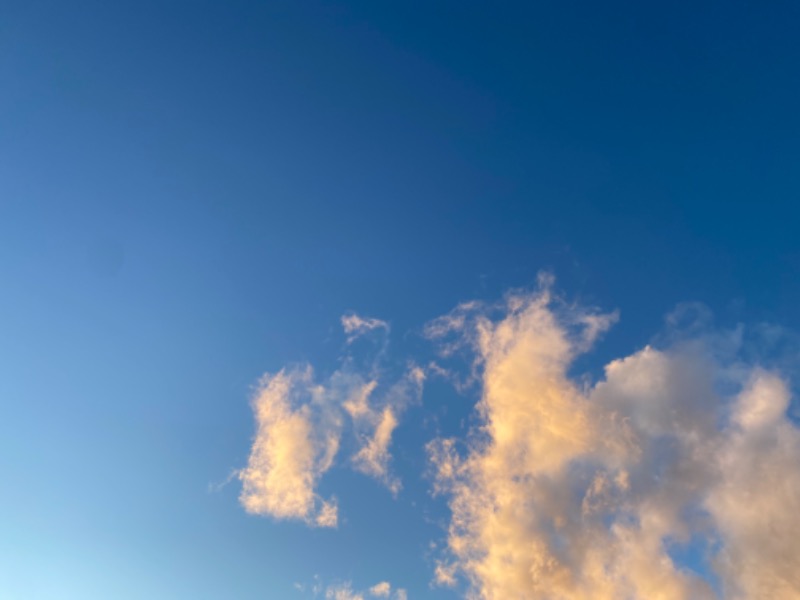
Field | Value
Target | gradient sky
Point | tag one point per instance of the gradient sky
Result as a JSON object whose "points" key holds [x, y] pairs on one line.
{"points": [[193, 195]]}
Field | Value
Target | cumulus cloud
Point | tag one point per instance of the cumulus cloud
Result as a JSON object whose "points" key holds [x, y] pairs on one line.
{"points": [[570, 491], [564, 489], [296, 441], [755, 498]]}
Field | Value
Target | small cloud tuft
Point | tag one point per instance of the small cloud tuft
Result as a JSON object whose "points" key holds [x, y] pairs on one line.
{"points": [[355, 326]]}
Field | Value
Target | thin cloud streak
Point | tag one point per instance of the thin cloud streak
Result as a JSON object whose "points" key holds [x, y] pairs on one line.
{"points": [[375, 426], [345, 591], [355, 326]]}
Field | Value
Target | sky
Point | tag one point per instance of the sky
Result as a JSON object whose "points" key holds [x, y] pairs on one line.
{"points": [[354, 300]]}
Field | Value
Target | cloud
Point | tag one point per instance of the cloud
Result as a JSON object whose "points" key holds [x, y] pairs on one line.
{"points": [[564, 489], [373, 457], [384, 590], [299, 427], [376, 425], [358, 405], [342, 591], [381, 590], [755, 498], [568, 491], [296, 441], [345, 591], [355, 325]]}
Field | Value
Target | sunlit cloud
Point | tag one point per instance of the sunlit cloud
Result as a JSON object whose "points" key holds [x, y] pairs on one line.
{"points": [[355, 325], [346, 591], [373, 457], [296, 441], [300, 422], [342, 591], [572, 491], [564, 488], [381, 590], [377, 424], [384, 590]]}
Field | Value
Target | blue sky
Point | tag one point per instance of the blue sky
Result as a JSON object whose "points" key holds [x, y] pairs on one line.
{"points": [[192, 195]]}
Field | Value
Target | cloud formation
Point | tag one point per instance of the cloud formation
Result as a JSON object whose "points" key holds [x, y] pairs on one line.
{"points": [[345, 591], [376, 424], [355, 325], [568, 491], [299, 427], [381, 590], [342, 591], [296, 441], [676, 476]]}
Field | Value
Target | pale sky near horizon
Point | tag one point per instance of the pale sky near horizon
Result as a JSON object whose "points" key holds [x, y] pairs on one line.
{"points": [[355, 300]]}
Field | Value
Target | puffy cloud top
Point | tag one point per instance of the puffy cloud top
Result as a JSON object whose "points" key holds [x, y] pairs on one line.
{"points": [[569, 492], [564, 489]]}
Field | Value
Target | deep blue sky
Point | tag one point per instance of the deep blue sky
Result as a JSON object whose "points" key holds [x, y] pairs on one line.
{"points": [[192, 193]]}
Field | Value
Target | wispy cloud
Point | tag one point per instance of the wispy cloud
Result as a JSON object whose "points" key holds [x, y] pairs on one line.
{"points": [[375, 426], [381, 590], [345, 591], [373, 456], [342, 591], [384, 590], [574, 492], [355, 325], [300, 422]]}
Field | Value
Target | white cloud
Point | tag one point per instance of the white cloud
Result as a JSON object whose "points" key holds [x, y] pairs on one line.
{"points": [[755, 498], [345, 591], [342, 591], [355, 325], [376, 424], [299, 427], [357, 406], [571, 492], [373, 457], [296, 441], [563, 490], [381, 590], [445, 574]]}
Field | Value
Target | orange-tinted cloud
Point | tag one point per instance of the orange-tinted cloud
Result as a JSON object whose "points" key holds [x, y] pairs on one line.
{"points": [[568, 491]]}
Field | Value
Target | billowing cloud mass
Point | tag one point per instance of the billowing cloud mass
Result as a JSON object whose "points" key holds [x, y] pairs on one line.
{"points": [[572, 491], [675, 476], [373, 457]]}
